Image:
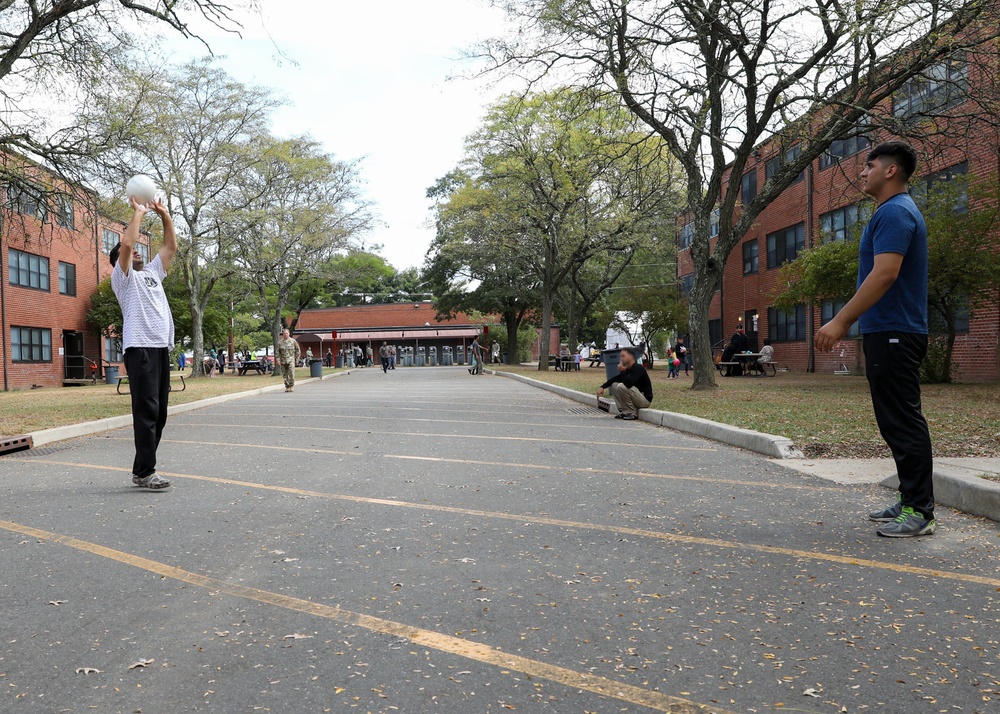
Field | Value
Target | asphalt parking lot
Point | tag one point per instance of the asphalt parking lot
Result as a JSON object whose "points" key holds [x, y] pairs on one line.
{"points": [[430, 541]]}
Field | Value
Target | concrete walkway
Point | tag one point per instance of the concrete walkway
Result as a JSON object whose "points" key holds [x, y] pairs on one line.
{"points": [[429, 541]]}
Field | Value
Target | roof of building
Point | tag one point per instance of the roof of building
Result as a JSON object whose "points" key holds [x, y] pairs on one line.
{"points": [[369, 317]]}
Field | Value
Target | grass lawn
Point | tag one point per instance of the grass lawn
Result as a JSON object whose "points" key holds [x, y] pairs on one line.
{"points": [[25, 411], [824, 414]]}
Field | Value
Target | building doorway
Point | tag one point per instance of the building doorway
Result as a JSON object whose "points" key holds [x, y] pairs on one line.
{"points": [[750, 326], [74, 363]]}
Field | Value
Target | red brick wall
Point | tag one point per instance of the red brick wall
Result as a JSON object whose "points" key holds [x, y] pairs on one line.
{"points": [[27, 307], [554, 341]]}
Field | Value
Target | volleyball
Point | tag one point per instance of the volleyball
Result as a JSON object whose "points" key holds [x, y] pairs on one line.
{"points": [[141, 188]]}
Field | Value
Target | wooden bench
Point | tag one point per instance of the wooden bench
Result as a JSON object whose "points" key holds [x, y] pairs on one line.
{"points": [[178, 375]]}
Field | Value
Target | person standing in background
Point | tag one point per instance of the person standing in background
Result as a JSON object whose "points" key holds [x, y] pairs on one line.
{"points": [[287, 354]]}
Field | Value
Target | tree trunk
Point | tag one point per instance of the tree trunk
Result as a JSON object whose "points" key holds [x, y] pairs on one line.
{"points": [[701, 344], [572, 318], [948, 352], [513, 323], [197, 339], [546, 333]]}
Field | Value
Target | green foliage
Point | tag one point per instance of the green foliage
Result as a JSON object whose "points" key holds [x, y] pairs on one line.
{"points": [[105, 314], [937, 365], [828, 271], [526, 336], [551, 181], [646, 303]]}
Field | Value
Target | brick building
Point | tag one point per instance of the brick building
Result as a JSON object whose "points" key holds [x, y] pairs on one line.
{"points": [[54, 249], [825, 204], [411, 326]]}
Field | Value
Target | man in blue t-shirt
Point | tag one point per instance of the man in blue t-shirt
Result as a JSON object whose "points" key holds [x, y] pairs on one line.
{"points": [[890, 306]]}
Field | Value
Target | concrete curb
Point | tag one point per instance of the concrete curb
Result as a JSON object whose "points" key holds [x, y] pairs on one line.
{"points": [[776, 447], [962, 491], [73, 431]]}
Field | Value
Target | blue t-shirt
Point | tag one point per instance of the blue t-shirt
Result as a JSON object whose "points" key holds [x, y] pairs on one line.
{"points": [[897, 227]]}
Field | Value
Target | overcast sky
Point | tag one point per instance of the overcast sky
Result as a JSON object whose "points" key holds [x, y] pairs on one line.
{"points": [[370, 80]]}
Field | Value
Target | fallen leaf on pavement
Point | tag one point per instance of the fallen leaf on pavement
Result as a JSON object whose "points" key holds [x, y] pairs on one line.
{"points": [[87, 670], [141, 663], [297, 636], [811, 693], [57, 602]]}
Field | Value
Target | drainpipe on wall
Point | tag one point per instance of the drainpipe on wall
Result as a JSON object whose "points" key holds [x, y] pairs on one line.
{"points": [[811, 306], [97, 269]]}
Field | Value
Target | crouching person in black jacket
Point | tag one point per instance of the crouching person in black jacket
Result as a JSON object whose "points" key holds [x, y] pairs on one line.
{"points": [[630, 388]]}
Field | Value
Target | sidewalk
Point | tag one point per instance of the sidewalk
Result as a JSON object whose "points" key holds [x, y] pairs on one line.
{"points": [[958, 483]]}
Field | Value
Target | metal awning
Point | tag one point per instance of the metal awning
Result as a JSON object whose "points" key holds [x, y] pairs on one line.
{"points": [[434, 333], [440, 333]]}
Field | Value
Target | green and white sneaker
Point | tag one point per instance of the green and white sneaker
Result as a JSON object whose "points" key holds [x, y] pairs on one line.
{"points": [[908, 524], [888, 514]]}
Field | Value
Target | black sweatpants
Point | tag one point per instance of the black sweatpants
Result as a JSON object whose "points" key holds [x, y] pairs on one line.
{"points": [[892, 363], [149, 381]]}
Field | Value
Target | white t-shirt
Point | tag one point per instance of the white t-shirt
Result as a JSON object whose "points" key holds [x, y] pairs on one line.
{"points": [[147, 318]]}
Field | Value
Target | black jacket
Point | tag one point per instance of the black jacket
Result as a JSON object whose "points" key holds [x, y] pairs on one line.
{"points": [[634, 376]]}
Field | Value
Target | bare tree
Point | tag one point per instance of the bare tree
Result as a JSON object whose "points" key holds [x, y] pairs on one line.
{"points": [[55, 53], [194, 129], [716, 78]]}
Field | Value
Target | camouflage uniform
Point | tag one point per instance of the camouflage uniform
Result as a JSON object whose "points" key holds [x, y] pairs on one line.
{"points": [[288, 357]]}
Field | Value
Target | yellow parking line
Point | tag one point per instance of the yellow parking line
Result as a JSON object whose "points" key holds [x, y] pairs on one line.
{"points": [[616, 472], [478, 437], [468, 649], [576, 525], [209, 421], [249, 446]]}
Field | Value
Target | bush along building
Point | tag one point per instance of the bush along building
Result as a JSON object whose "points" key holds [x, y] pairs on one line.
{"points": [[54, 247], [959, 154]]}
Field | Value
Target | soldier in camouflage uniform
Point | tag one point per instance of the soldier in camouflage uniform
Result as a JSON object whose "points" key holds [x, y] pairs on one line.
{"points": [[288, 357]]}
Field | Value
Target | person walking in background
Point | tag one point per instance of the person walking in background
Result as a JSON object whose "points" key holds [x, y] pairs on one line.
{"points": [[576, 360], [309, 357], [477, 356], [383, 355], [672, 369], [329, 357], [369, 354], [147, 337], [392, 356], [682, 354], [287, 354], [890, 306], [495, 352]]}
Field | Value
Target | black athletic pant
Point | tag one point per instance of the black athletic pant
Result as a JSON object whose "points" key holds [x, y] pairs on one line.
{"points": [[892, 363], [149, 381]]}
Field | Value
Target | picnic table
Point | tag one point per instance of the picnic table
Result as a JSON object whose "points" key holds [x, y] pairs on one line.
{"points": [[178, 375], [747, 360], [561, 363], [254, 364]]}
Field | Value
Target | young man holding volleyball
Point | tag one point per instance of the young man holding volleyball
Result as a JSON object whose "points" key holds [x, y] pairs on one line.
{"points": [[147, 336]]}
